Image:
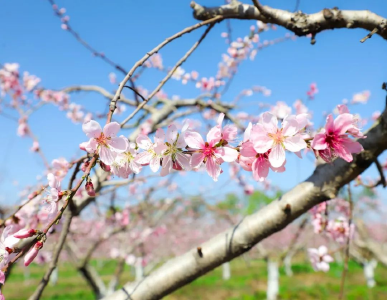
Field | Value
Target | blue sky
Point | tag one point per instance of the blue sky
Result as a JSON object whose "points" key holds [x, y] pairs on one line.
{"points": [[125, 30]]}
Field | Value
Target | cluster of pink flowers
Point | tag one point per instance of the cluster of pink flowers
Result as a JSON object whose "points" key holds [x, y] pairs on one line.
{"points": [[264, 145], [320, 258], [333, 141]]}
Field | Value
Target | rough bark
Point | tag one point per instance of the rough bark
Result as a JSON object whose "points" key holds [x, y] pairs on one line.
{"points": [[298, 22]]}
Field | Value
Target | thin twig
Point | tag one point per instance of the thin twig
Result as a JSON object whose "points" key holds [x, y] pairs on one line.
{"points": [[368, 36], [169, 75], [153, 51], [94, 51]]}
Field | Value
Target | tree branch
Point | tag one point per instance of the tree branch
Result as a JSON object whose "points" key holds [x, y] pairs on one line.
{"points": [[300, 23]]}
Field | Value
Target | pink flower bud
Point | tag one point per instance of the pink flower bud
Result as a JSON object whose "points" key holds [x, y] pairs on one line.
{"points": [[90, 189], [105, 167], [82, 146], [25, 233], [84, 166], [32, 195], [176, 166], [64, 26], [30, 256]]}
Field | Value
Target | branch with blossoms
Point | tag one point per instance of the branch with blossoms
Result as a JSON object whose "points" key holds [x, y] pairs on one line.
{"points": [[324, 184]]}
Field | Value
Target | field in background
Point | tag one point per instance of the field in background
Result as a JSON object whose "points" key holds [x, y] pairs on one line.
{"points": [[248, 282]]}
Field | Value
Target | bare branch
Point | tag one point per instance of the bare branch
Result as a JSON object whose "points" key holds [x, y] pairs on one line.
{"points": [[300, 23], [169, 75]]}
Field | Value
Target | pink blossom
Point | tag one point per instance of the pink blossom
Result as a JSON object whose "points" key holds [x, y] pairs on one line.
{"points": [[30, 256], [361, 97], [339, 230], [300, 107], [54, 183], [30, 81], [178, 74], [75, 113], [320, 258], [2, 280], [333, 141], [152, 154], [211, 152], [172, 154], [228, 133], [376, 115], [125, 163], [281, 110], [258, 163], [60, 167], [25, 233], [312, 91], [35, 146], [23, 129], [105, 142], [266, 136], [89, 187]]}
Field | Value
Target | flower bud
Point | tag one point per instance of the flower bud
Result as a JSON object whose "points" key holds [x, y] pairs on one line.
{"points": [[25, 233], [83, 145], [30, 256], [90, 189], [104, 167], [32, 195], [84, 166]]}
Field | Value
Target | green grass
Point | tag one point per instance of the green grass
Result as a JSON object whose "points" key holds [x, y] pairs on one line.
{"points": [[248, 282]]}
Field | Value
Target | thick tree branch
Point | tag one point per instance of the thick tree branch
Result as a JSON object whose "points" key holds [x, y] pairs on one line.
{"points": [[299, 23], [322, 185]]}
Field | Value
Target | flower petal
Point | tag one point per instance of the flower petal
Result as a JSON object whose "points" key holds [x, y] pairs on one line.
{"points": [[194, 140], [159, 136], [213, 169], [118, 144], [247, 150], [277, 156], [226, 153], [319, 142], [171, 133], [197, 159], [144, 158], [106, 155], [155, 164], [111, 129], [294, 143], [260, 169], [144, 142], [269, 122], [343, 123], [92, 129]]}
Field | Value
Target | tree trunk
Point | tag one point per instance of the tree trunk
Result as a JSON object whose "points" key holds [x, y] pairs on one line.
{"points": [[54, 277], [139, 269], [369, 268], [226, 271], [272, 280], [288, 264]]}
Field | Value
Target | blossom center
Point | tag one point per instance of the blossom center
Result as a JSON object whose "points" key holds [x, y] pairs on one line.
{"points": [[277, 137], [208, 151], [102, 140]]}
